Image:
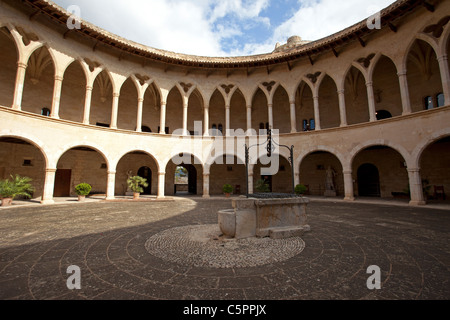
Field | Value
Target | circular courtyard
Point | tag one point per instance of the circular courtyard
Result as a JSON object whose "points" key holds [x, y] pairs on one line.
{"points": [[154, 250]]}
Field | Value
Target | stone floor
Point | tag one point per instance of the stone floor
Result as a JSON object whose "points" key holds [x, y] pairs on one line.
{"points": [[107, 241]]}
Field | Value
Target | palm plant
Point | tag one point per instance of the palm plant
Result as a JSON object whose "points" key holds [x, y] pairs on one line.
{"points": [[137, 184], [16, 186]]}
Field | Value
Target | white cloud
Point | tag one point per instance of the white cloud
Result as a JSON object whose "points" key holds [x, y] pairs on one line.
{"points": [[199, 27]]}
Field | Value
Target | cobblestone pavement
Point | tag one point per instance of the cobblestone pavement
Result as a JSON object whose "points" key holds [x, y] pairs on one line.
{"points": [[107, 241]]}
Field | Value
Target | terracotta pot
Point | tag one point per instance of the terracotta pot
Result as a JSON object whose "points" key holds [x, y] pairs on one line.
{"points": [[228, 195], [6, 202], [81, 198], [136, 196]]}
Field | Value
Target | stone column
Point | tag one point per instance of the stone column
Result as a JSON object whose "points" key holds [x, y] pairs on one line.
{"points": [[293, 118], [249, 120], [227, 120], [250, 181], [348, 185], [185, 118], [111, 185], [139, 114], [18, 89], [342, 108], [270, 110], [162, 125], [87, 104], [317, 113], [445, 77], [206, 121], [161, 185], [371, 99], [404, 92], [56, 97], [416, 188], [49, 187], [206, 185], [115, 110]]}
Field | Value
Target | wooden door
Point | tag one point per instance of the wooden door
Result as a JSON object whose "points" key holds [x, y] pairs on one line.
{"points": [[62, 183]]}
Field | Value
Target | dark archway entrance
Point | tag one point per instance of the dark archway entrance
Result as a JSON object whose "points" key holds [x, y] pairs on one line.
{"points": [[368, 181], [187, 182], [146, 173]]}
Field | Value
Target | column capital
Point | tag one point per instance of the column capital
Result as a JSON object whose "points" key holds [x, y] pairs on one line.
{"points": [[413, 170], [59, 78], [342, 91], [89, 88], [140, 99], [22, 65], [347, 172], [442, 58], [50, 170], [369, 84], [402, 73], [116, 95], [111, 172], [161, 173]]}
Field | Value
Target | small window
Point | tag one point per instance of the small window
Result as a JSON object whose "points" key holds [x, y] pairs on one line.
{"points": [[104, 125], [45, 112], [305, 125], [440, 100], [103, 166], [429, 103], [312, 124], [27, 163], [146, 129], [261, 126], [220, 129]]}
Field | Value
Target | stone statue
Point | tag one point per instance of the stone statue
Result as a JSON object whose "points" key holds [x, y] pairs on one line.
{"points": [[330, 189]]}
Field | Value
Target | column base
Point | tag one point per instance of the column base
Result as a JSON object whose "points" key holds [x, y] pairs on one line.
{"points": [[110, 198], [45, 202], [350, 199], [206, 196], [417, 203]]}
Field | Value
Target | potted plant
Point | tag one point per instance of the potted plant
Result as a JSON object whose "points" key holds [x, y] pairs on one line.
{"points": [[228, 190], [83, 190], [262, 186], [137, 185], [300, 189], [17, 186]]}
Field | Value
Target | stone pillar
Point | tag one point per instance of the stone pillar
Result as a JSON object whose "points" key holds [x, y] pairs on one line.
{"points": [[162, 125], [161, 185], [139, 114], [371, 99], [249, 120], [342, 108], [115, 110], [416, 188], [56, 97], [404, 92], [348, 186], [445, 77], [206, 185], [317, 113], [18, 89], [206, 121], [270, 110], [185, 118], [227, 120], [87, 104], [111, 185], [293, 118], [49, 187]]}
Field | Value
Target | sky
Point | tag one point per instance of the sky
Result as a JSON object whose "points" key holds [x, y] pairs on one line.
{"points": [[218, 28]]}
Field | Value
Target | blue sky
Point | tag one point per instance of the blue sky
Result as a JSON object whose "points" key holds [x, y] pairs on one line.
{"points": [[223, 27]]}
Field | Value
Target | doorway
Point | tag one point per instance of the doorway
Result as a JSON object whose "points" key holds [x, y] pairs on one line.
{"points": [[368, 181], [62, 183], [186, 179], [146, 173]]}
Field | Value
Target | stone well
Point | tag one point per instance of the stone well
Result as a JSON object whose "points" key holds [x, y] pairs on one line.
{"points": [[278, 218]]}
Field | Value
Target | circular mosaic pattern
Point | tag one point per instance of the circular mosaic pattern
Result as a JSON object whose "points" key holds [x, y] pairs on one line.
{"points": [[201, 246]]}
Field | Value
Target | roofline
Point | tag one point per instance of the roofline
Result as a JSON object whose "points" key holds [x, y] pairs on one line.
{"points": [[357, 32]]}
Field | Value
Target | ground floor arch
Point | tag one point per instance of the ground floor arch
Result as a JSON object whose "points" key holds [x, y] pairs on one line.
{"points": [[194, 170], [380, 171], [136, 163], [313, 173], [281, 182], [77, 165], [435, 170], [19, 156], [230, 170]]}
